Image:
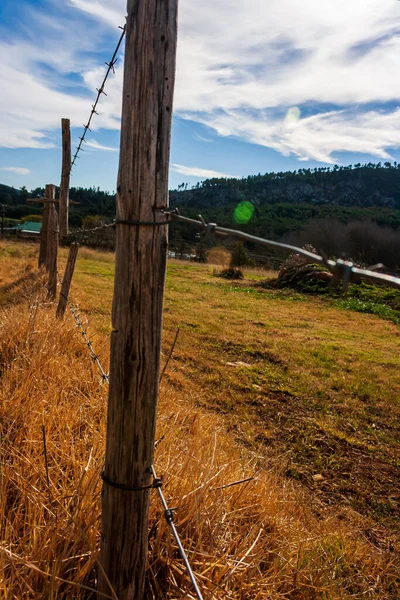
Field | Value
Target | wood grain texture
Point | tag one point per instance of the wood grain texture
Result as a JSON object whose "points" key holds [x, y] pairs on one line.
{"points": [[52, 251], [67, 279], [49, 195], [65, 178], [138, 293]]}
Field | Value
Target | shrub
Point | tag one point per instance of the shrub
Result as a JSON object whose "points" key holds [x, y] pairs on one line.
{"points": [[230, 273], [239, 256]]}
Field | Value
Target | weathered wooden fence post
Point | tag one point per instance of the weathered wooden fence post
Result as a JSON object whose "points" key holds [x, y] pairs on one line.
{"points": [[50, 194], [66, 283], [52, 250], [65, 178], [141, 251]]}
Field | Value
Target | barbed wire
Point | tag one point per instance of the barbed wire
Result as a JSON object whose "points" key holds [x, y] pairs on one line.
{"points": [[343, 270], [168, 512], [79, 233], [169, 517], [340, 269], [100, 91], [92, 353]]}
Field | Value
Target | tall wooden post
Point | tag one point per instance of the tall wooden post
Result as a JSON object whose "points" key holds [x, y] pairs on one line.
{"points": [[65, 178], [52, 251], [141, 251], [66, 284], [49, 195]]}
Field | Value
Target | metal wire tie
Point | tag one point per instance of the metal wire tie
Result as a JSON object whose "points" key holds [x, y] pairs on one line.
{"points": [[157, 483]]}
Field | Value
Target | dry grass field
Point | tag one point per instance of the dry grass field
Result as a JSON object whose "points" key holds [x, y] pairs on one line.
{"points": [[302, 396]]}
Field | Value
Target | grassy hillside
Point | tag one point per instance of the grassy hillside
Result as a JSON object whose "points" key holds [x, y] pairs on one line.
{"points": [[298, 393]]}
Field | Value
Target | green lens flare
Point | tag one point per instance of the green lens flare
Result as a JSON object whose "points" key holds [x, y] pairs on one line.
{"points": [[243, 212]]}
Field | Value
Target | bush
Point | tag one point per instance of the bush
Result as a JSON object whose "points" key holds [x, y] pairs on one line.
{"points": [[239, 256], [230, 273]]}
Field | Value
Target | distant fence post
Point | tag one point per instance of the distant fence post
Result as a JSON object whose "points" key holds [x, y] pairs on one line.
{"points": [[141, 251], [3, 214], [66, 283], [50, 194], [65, 178], [52, 250]]}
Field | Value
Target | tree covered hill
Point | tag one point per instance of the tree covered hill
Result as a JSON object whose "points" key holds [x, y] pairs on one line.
{"points": [[286, 202], [283, 202], [356, 186]]}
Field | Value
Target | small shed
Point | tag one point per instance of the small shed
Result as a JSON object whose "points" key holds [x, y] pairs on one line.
{"points": [[28, 229]]}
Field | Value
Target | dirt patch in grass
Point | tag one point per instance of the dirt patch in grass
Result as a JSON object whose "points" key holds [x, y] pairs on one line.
{"points": [[365, 478]]}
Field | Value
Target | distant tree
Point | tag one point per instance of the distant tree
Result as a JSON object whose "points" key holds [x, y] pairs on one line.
{"points": [[37, 192], [23, 193], [239, 256], [92, 221]]}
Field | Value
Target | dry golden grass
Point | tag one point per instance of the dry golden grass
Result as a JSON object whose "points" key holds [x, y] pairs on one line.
{"points": [[258, 540]]}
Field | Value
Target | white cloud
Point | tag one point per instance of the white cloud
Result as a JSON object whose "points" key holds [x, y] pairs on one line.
{"points": [[17, 170], [96, 146], [197, 172], [200, 138], [36, 90], [102, 11], [241, 64], [241, 67], [28, 107], [318, 136]]}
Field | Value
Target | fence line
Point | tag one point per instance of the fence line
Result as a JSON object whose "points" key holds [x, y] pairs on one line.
{"points": [[341, 269], [82, 231], [168, 512], [100, 91]]}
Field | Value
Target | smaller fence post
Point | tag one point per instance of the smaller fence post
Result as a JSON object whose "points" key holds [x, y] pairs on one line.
{"points": [[52, 251], [66, 283], [49, 194]]}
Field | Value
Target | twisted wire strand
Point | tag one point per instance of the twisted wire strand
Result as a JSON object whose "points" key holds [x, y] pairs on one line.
{"points": [[168, 512], [169, 517], [341, 269], [100, 91], [92, 353]]}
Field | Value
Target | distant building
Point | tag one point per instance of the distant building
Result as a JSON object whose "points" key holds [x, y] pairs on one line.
{"points": [[28, 229]]}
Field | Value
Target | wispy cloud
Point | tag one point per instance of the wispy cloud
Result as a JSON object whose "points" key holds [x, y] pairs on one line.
{"points": [[17, 170], [200, 138], [316, 137], [197, 172], [102, 11], [241, 66], [236, 78], [96, 146], [38, 76]]}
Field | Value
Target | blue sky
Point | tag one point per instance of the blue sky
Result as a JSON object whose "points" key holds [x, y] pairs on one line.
{"points": [[261, 86]]}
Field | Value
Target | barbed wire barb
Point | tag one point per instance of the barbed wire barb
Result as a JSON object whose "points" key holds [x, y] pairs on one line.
{"points": [[100, 91], [342, 270], [92, 353], [169, 517]]}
